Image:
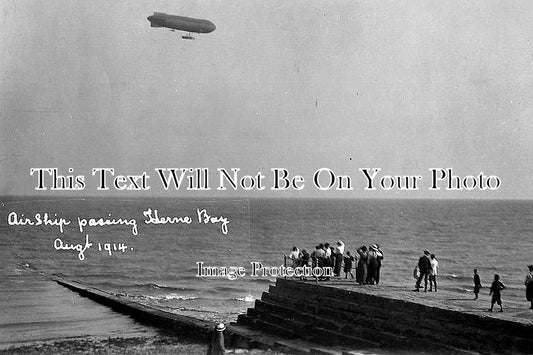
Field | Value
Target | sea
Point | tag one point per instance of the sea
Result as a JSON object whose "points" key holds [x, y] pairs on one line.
{"points": [[148, 250]]}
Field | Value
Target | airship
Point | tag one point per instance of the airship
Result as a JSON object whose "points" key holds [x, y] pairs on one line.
{"points": [[181, 23]]}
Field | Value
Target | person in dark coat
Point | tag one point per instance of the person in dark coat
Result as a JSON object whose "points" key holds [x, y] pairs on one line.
{"points": [[305, 261], [529, 286], [424, 264], [380, 260], [215, 341], [372, 262], [362, 266], [348, 264], [338, 253], [477, 284]]}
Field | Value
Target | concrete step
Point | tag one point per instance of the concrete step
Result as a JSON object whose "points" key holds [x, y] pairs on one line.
{"points": [[302, 347], [329, 337], [251, 311], [297, 327], [332, 318], [349, 328], [361, 318], [294, 302], [246, 320], [393, 332], [407, 307], [287, 347], [311, 304], [395, 326], [307, 318], [273, 328]]}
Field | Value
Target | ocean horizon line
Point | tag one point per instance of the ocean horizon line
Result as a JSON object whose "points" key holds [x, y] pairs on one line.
{"points": [[31, 197]]}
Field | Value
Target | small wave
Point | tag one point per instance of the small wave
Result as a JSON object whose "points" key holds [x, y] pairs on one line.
{"points": [[178, 297], [456, 278], [248, 298], [458, 290], [24, 266], [192, 310], [155, 286], [141, 286], [169, 297], [151, 285]]}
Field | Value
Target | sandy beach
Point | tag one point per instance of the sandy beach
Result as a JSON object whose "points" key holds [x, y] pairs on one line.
{"points": [[160, 344], [83, 345]]}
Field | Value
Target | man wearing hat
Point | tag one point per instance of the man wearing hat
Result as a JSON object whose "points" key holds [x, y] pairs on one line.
{"points": [[215, 342], [424, 265]]}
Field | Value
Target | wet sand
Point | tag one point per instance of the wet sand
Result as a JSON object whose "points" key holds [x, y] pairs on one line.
{"points": [[35, 308]]}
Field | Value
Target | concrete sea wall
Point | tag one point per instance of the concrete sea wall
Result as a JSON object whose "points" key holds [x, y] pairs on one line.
{"points": [[336, 315]]}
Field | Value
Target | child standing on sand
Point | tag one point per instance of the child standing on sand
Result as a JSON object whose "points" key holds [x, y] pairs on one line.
{"points": [[477, 284], [495, 291]]}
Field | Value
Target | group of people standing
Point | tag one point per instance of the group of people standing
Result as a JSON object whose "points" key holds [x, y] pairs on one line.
{"points": [[367, 271], [495, 290], [369, 265], [497, 286], [427, 268], [367, 261]]}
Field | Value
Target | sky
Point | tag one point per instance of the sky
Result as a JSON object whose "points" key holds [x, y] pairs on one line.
{"points": [[399, 85]]}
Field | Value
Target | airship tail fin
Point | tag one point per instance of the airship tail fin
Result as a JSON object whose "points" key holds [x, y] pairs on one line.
{"points": [[154, 25]]}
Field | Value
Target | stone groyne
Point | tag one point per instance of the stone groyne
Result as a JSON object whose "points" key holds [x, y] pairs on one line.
{"points": [[369, 317], [184, 327]]}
